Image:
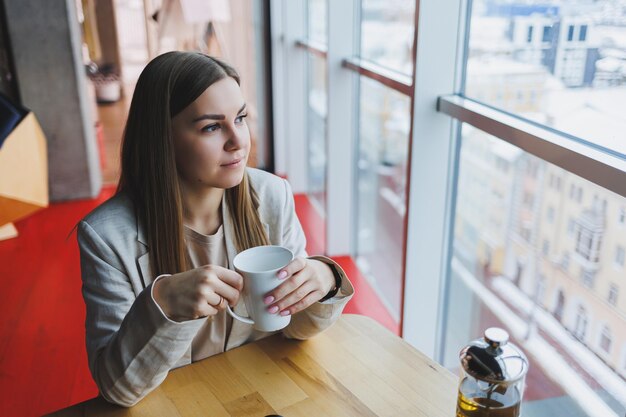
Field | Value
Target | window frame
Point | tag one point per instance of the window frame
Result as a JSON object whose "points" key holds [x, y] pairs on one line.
{"points": [[566, 151], [291, 47], [438, 109], [427, 91]]}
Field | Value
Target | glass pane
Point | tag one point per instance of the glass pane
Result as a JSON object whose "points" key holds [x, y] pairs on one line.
{"points": [[387, 33], [317, 104], [539, 251], [558, 63], [317, 21], [382, 176]]}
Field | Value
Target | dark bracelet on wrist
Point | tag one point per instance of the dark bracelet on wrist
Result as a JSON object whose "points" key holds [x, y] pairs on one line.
{"points": [[335, 290]]}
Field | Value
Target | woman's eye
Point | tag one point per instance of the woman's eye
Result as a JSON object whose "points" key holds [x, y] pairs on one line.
{"points": [[240, 118], [211, 128]]}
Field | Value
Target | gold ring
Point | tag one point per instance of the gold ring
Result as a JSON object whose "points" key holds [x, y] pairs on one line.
{"points": [[219, 303]]}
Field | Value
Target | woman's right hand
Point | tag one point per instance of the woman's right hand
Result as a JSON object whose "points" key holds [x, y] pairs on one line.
{"points": [[197, 293]]}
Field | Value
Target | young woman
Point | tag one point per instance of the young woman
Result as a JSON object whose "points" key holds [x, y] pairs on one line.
{"points": [[156, 259]]}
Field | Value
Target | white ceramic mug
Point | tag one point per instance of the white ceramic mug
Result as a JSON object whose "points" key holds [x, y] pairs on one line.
{"points": [[258, 266]]}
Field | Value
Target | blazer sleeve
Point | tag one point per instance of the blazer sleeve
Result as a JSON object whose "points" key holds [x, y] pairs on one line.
{"points": [[319, 316], [131, 345]]}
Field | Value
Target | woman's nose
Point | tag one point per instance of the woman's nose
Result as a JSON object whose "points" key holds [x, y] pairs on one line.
{"points": [[236, 139]]}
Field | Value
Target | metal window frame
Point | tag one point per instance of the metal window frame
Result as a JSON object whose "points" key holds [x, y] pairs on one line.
{"points": [[433, 166], [278, 66], [264, 82], [433, 173], [288, 25], [395, 80], [290, 68], [575, 155], [418, 325], [313, 47], [342, 96]]}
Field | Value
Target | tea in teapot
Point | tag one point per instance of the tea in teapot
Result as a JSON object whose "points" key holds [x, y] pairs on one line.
{"points": [[492, 377]]}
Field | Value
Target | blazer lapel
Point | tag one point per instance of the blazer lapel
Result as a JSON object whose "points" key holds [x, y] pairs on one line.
{"points": [[143, 262], [141, 232]]}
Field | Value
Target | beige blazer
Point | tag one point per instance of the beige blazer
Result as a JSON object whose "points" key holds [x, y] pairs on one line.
{"points": [[131, 344]]}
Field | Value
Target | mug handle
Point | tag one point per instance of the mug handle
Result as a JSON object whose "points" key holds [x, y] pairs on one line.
{"points": [[238, 317]]}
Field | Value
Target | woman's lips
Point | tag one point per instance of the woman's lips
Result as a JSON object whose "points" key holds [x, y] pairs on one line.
{"points": [[234, 164]]}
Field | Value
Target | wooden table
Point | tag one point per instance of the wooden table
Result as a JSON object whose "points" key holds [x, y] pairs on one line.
{"points": [[355, 368]]}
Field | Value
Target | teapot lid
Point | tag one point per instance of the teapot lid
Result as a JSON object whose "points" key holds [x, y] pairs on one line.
{"points": [[493, 359]]}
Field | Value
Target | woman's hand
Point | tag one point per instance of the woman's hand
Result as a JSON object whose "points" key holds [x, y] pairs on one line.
{"points": [[306, 282], [197, 293]]}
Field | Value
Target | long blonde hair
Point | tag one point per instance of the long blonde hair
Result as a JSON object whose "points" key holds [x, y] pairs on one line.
{"points": [[167, 85]]}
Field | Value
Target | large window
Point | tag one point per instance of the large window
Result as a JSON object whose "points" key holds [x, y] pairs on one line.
{"points": [[511, 268], [384, 122], [535, 248], [572, 79], [488, 159]]}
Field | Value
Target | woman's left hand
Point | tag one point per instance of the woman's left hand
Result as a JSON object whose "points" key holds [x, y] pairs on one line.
{"points": [[306, 282]]}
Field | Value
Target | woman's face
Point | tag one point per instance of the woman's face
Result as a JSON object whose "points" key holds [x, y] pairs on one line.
{"points": [[211, 137]]}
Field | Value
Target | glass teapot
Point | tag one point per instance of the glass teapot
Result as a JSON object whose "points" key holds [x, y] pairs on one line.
{"points": [[492, 377]]}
